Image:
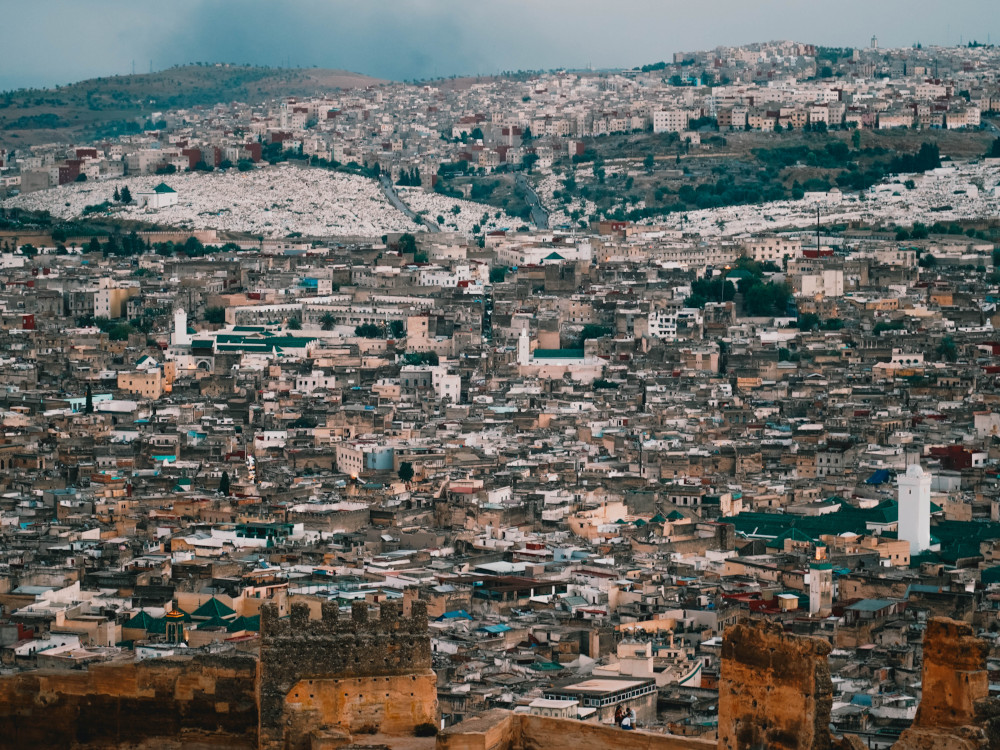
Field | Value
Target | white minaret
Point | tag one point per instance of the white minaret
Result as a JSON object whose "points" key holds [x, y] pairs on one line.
{"points": [[914, 489], [523, 347], [180, 337]]}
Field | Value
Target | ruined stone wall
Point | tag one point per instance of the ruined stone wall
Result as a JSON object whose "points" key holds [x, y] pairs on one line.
{"points": [[503, 730], [391, 705], [547, 733], [955, 709], [775, 690], [347, 673], [207, 701]]}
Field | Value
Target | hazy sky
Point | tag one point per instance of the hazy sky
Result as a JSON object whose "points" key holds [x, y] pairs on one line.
{"points": [[47, 42]]}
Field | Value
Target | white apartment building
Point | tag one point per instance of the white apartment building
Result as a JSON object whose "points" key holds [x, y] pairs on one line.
{"points": [[665, 324], [772, 248], [315, 380], [671, 120]]}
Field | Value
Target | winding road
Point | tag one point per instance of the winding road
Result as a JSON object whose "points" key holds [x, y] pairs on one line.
{"points": [[390, 192], [538, 214]]}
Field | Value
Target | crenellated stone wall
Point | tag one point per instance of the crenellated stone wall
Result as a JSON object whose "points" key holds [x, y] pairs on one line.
{"points": [[353, 674]]}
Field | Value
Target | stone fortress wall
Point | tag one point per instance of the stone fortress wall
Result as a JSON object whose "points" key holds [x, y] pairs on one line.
{"points": [[316, 683], [339, 680], [207, 702], [344, 675]]}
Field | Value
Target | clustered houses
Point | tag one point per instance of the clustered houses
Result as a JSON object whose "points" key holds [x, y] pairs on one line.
{"points": [[586, 471], [587, 452], [414, 129]]}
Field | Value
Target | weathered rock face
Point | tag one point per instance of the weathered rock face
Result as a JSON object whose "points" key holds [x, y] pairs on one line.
{"points": [[775, 690], [954, 675], [955, 709], [352, 674], [160, 703]]}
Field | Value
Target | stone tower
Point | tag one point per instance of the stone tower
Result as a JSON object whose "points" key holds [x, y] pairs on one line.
{"points": [[820, 583], [915, 508], [344, 676], [175, 627], [523, 347], [180, 336]]}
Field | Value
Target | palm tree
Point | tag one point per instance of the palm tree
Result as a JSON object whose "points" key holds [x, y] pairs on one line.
{"points": [[327, 321]]}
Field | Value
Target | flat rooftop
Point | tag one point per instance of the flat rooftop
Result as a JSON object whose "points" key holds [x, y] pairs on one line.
{"points": [[602, 686]]}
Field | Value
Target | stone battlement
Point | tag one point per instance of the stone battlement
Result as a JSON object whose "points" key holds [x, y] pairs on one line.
{"points": [[389, 622], [347, 672]]}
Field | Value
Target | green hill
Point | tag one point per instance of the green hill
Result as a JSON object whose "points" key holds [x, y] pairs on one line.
{"points": [[102, 107]]}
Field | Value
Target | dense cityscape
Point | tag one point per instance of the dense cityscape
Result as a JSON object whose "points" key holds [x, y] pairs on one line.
{"points": [[508, 412]]}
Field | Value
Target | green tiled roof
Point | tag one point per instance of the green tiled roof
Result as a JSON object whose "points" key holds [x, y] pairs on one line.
{"points": [[558, 353], [214, 622], [255, 343], [141, 621], [213, 608], [244, 623], [792, 533]]}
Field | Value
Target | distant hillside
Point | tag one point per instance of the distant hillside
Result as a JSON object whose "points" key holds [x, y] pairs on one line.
{"points": [[102, 106]]}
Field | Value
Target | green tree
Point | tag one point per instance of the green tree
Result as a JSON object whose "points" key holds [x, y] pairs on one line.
{"points": [[405, 471], [649, 162], [397, 329], [88, 406], [120, 332], [695, 300], [856, 139], [126, 195], [808, 321], [117, 196], [224, 484], [215, 315], [947, 349], [499, 273], [294, 324], [368, 331], [407, 243], [327, 321], [593, 331]]}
